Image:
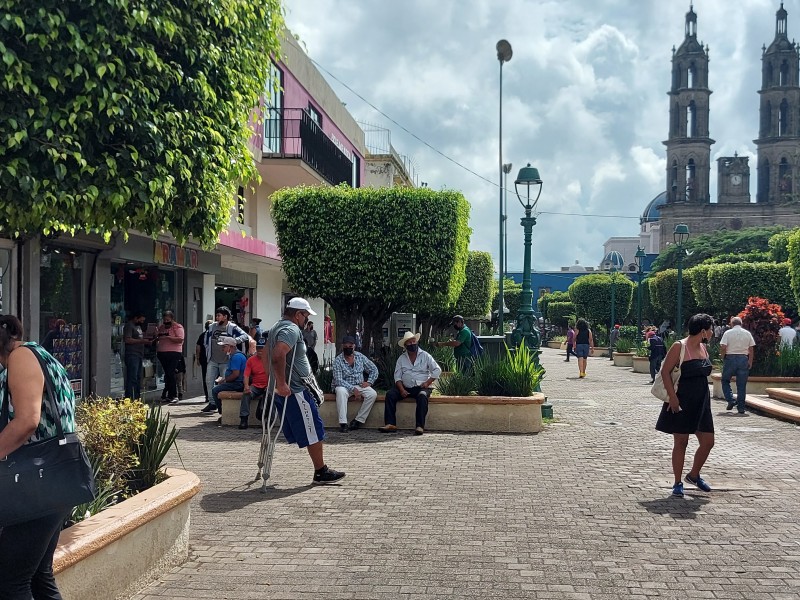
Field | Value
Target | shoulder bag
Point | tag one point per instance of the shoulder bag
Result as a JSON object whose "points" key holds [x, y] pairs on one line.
{"points": [[43, 477], [658, 390]]}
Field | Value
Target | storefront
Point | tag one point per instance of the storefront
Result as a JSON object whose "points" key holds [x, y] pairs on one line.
{"points": [[234, 289]]}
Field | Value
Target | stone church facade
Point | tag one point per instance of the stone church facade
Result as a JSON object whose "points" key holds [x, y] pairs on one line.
{"points": [[689, 144]]}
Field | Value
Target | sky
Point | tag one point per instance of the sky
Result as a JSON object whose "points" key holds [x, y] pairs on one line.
{"points": [[584, 100]]}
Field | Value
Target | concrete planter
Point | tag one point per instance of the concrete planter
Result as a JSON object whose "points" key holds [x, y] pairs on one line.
{"points": [[623, 359], [641, 364], [118, 551], [756, 385], [555, 345]]}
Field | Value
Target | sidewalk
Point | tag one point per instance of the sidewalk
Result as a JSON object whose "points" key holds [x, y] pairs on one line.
{"points": [[581, 510]]}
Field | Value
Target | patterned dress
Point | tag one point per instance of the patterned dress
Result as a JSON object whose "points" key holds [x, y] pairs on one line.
{"points": [[65, 397]]}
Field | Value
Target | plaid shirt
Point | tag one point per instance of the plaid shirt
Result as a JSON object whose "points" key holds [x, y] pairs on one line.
{"points": [[351, 377]]}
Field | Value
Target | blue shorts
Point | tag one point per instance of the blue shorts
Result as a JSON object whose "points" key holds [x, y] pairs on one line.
{"points": [[302, 424], [582, 350]]}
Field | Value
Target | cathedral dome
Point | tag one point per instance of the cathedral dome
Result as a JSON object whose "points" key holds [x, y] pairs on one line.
{"points": [[577, 268], [652, 212], [613, 260]]}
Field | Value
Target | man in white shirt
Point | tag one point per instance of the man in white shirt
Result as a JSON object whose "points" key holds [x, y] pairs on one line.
{"points": [[736, 349], [414, 374], [788, 334]]}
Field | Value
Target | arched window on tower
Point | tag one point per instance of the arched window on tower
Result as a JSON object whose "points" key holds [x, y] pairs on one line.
{"points": [[783, 119], [674, 120], [691, 120], [766, 120], [784, 178], [763, 182], [674, 180], [784, 79], [690, 180], [768, 75], [692, 76]]}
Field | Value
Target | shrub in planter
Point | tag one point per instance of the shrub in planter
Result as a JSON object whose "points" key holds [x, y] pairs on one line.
{"points": [[514, 375], [623, 346], [152, 447], [456, 384], [642, 351], [628, 332], [443, 355], [763, 320]]}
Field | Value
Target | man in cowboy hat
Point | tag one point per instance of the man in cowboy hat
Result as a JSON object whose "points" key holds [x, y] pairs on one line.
{"points": [[414, 375]]}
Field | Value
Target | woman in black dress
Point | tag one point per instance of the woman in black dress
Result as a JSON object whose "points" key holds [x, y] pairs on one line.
{"points": [[689, 410]]}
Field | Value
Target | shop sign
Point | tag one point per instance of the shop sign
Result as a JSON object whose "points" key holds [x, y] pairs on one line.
{"points": [[175, 256]]}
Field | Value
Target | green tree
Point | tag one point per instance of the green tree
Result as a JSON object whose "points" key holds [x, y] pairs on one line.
{"points": [[543, 302], [591, 295], [664, 294], [794, 264], [730, 286], [476, 297], [560, 313], [700, 288], [120, 115], [411, 252], [512, 292], [708, 245], [779, 246]]}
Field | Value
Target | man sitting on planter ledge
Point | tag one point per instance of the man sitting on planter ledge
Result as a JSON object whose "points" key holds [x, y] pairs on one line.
{"points": [[233, 380], [349, 369], [414, 374]]}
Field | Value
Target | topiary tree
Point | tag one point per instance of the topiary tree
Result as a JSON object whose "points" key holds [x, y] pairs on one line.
{"points": [[475, 299], [779, 246], [545, 299], [560, 313], [794, 264], [731, 285], [700, 288], [512, 292], [591, 295], [119, 115], [411, 252]]}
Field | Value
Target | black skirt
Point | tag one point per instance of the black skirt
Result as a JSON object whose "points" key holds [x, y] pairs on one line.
{"points": [[695, 401]]}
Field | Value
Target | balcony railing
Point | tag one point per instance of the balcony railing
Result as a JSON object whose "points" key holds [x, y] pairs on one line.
{"points": [[292, 133]]}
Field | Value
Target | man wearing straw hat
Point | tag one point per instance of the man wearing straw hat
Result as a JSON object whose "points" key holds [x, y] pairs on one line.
{"points": [[414, 374]]}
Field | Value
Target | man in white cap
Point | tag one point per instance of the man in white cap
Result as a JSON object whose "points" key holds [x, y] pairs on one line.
{"points": [[289, 366], [414, 374], [233, 378]]}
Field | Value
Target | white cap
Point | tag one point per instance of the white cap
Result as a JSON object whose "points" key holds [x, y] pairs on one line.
{"points": [[225, 340], [300, 304]]}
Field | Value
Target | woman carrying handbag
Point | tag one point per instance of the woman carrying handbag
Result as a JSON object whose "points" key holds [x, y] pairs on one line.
{"points": [[37, 424]]}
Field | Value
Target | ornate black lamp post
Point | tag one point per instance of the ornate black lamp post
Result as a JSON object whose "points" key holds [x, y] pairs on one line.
{"points": [[640, 256], [680, 235], [526, 331]]}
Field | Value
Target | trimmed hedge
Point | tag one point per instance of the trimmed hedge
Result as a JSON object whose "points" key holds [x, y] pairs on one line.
{"points": [[591, 295], [664, 293], [560, 313], [476, 296], [730, 286]]}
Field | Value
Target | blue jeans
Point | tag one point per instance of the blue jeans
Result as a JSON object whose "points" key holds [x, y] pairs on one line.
{"points": [[233, 386], [735, 365], [133, 375]]}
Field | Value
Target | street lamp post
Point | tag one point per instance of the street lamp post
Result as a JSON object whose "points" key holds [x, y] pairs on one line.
{"points": [[525, 330], [504, 54], [506, 171], [680, 235], [640, 256]]}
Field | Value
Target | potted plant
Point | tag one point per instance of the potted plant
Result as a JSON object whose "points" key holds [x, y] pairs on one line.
{"points": [[623, 357], [641, 360]]}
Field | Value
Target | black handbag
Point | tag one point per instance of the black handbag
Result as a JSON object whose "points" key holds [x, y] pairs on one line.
{"points": [[45, 477]]}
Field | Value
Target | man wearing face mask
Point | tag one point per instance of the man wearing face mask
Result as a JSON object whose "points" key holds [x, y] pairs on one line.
{"points": [[461, 344], [216, 358], [134, 355], [288, 365], [170, 351], [414, 374], [353, 375]]}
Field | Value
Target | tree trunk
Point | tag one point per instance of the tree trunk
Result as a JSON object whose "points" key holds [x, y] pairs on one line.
{"points": [[346, 312], [375, 314]]}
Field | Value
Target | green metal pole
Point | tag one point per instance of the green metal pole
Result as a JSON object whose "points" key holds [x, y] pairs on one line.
{"points": [[500, 316], [679, 324], [639, 307], [613, 300]]}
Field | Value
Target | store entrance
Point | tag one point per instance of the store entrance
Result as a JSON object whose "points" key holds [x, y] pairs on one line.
{"points": [[238, 300]]}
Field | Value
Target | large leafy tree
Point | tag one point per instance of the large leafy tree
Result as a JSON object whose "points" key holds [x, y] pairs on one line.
{"points": [[709, 245], [591, 295], [371, 251], [476, 296], [120, 114]]}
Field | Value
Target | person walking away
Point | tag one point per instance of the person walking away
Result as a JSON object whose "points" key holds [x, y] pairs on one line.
{"points": [[233, 379], [310, 338], [169, 340], [788, 334], [613, 338], [736, 349], [256, 382], [217, 358], [200, 356], [353, 375], [583, 345], [135, 343], [414, 375], [288, 365], [461, 344], [26, 549], [570, 341], [688, 411], [657, 353]]}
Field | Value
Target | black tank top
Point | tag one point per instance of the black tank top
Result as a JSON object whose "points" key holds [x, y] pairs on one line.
{"points": [[582, 337]]}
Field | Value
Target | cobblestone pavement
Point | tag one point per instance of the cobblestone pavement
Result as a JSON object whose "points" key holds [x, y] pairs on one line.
{"points": [[581, 510]]}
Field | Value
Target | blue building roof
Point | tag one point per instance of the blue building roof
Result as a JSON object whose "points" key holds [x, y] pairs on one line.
{"points": [[652, 213], [613, 259]]}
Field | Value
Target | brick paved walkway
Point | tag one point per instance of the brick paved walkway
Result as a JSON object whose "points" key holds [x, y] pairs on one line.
{"points": [[580, 510]]}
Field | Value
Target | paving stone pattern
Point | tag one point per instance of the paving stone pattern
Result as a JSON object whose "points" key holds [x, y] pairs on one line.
{"points": [[581, 510]]}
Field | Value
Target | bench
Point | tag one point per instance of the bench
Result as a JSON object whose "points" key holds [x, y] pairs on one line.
{"points": [[445, 413]]}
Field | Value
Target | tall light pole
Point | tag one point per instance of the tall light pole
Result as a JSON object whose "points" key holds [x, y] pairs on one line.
{"points": [[680, 235], [504, 54], [506, 171], [640, 256], [612, 268], [525, 330]]}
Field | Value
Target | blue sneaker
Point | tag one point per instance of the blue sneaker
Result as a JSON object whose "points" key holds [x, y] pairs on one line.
{"points": [[677, 490], [699, 483]]}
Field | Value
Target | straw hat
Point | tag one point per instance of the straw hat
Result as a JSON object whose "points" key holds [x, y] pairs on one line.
{"points": [[407, 336]]}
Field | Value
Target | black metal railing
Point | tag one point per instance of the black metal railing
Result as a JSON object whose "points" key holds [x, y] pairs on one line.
{"points": [[292, 133]]}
